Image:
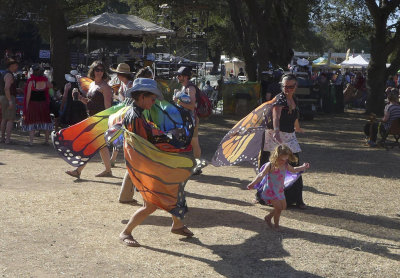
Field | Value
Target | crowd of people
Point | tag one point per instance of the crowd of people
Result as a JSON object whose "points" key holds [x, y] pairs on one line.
{"points": [[279, 152]]}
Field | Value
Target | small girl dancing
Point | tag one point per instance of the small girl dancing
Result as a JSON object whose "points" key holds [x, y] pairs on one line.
{"points": [[272, 179]]}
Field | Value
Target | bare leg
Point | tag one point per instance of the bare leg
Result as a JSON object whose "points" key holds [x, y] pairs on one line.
{"points": [[179, 228], [31, 134], [278, 207], [127, 189], [77, 172], [176, 223], [137, 218], [46, 136], [9, 127], [105, 156], [3, 129], [268, 218], [114, 156], [196, 147]]}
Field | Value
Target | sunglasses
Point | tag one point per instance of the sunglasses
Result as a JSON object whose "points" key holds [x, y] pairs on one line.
{"points": [[99, 70], [289, 87]]}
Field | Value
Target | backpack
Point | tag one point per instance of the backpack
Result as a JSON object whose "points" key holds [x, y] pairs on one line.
{"points": [[204, 106]]}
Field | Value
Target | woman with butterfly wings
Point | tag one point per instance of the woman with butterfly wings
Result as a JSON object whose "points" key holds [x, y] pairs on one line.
{"points": [[98, 98], [283, 123], [269, 125]]}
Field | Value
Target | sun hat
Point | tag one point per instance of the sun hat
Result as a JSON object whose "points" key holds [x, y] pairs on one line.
{"points": [[145, 85], [122, 68], [71, 76], [184, 71]]}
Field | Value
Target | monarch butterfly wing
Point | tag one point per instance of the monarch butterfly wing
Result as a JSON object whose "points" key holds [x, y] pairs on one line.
{"points": [[84, 83], [80, 142], [243, 142], [159, 176]]}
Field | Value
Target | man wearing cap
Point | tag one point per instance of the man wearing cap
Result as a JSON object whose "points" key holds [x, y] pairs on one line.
{"points": [[188, 89], [7, 100]]}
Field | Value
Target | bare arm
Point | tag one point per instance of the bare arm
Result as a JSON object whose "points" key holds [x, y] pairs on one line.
{"points": [[8, 79], [107, 93], [276, 116], [260, 176], [297, 127], [299, 168], [64, 98]]}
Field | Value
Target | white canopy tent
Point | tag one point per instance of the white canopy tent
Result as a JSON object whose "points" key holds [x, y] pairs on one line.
{"points": [[117, 25], [122, 25], [357, 61]]}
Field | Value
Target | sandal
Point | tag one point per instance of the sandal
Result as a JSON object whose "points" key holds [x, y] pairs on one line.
{"points": [[128, 240], [133, 201], [183, 231], [105, 174], [74, 174]]}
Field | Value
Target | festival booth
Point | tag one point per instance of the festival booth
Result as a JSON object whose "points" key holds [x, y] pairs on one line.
{"points": [[116, 26], [240, 99], [323, 62], [233, 66], [355, 62]]}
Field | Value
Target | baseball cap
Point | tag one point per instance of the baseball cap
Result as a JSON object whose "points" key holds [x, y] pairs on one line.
{"points": [[184, 71]]}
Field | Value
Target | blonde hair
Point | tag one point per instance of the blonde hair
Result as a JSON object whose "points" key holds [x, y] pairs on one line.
{"points": [[281, 150]]}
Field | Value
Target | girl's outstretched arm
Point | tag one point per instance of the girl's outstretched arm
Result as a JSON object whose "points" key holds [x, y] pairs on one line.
{"points": [[260, 176], [299, 168]]}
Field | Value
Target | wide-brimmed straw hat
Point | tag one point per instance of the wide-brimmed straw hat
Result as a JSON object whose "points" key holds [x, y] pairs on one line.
{"points": [[145, 85], [71, 76], [122, 68]]}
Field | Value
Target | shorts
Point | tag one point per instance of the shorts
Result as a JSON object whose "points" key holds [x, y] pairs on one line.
{"points": [[6, 113]]}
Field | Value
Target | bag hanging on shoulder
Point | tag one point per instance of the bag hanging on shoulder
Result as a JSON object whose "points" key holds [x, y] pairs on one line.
{"points": [[204, 105]]}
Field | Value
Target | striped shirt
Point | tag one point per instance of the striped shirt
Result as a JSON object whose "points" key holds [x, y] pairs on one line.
{"points": [[394, 113]]}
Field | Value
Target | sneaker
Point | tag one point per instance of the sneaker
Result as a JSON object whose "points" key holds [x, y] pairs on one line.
{"points": [[197, 172]]}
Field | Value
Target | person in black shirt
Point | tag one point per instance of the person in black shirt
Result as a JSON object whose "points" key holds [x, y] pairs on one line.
{"points": [[282, 126]]}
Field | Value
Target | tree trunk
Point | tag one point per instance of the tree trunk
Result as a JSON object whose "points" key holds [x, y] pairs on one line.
{"points": [[245, 34], [60, 60], [377, 74]]}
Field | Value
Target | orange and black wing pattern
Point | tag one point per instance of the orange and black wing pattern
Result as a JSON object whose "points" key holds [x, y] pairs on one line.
{"points": [[243, 142], [78, 143], [159, 176], [83, 84]]}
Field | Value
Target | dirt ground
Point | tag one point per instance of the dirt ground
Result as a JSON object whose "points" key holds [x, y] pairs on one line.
{"points": [[53, 226]]}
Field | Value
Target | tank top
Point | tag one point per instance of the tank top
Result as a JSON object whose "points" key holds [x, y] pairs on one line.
{"points": [[13, 87], [36, 94]]}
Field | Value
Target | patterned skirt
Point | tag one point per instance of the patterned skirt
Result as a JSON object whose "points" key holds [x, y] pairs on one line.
{"points": [[288, 139]]}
